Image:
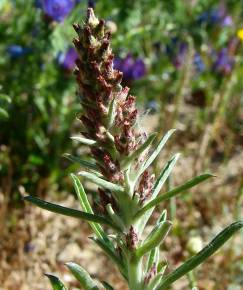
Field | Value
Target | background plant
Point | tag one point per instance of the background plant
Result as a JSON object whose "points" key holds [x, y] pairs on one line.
{"points": [[120, 158], [182, 60], [168, 53]]}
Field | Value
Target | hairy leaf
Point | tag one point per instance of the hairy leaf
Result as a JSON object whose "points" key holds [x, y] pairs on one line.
{"points": [[158, 184], [78, 160], [154, 238], [156, 151], [162, 217], [164, 174], [107, 286], [68, 211], [56, 282], [3, 113], [174, 192], [82, 276], [199, 258], [101, 182], [5, 98], [87, 207], [83, 140], [153, 258]]}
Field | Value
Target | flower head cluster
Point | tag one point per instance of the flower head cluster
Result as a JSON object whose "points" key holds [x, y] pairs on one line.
{"points": [[109, 111]]}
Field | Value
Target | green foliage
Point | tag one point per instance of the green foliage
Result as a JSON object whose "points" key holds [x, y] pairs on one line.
{"points": [[41, 92], [199, 258], [56, 282], [82, 276]]}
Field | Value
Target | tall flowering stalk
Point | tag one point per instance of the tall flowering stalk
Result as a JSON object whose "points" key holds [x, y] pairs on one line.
{"points": [[121, 153]]}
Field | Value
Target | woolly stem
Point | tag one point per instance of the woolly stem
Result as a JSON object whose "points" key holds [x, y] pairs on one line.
{"points": [[135, 272]]}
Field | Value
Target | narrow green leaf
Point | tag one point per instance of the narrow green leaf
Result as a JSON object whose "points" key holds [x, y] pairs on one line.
{"points": [[174, 192], [154, 238], [199, 258], [161, 267], [82, 276], [156, 280], [87, 207], [6, 98], [4, 114], [56, 282], [145, 215], [115, 218], [101, 182], [127, 161], [83, 140], [152, 258], [157, 150], [68, 211], [164, 174], [107, 286], [78, 160], [162, 217]]}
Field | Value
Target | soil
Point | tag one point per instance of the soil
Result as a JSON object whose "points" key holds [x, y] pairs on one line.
{"points": [[35, 241]]}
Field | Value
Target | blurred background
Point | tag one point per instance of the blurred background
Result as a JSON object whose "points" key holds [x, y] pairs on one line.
{"points": [[184, 62]]}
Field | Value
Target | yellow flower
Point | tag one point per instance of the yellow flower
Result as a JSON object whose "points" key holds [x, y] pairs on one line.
{"points": [[240, 34], [5, 7]]}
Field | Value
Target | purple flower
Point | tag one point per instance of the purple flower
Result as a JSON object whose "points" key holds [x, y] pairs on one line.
{"points": [[57, 10], [67, 60], [180, 56], [16, 51], [227, 21], [139, 69], [133, 69], [224, 62]]}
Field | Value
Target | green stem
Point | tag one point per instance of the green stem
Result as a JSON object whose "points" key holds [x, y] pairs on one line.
{"points": [[192, 280], [134, 267]]}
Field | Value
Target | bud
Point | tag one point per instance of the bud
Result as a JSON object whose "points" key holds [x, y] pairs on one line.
{"points": [[151, 273], [132, 239]]}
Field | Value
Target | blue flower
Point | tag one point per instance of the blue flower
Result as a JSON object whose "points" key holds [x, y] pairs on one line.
{"points": [[224, 62], [58, 10], [67, 60], [216, 16], [152, 107], [198, 63], [133, 69], [16, 51]]}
